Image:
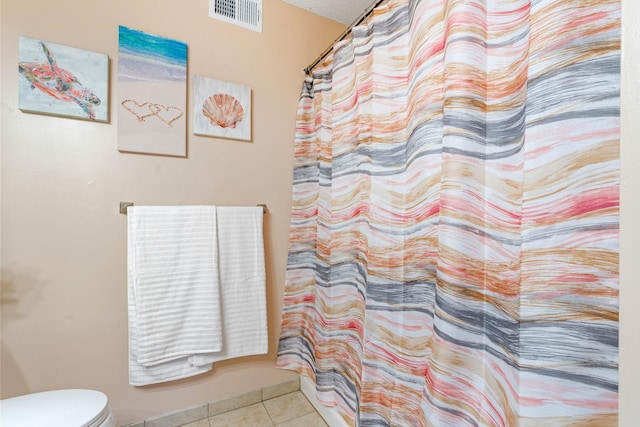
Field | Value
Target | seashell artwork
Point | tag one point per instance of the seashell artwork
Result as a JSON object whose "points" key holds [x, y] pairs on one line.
{"points": [[223, 110]]}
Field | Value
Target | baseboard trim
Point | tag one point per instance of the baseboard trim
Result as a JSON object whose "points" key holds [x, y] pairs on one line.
{"points": [[329, 414]]}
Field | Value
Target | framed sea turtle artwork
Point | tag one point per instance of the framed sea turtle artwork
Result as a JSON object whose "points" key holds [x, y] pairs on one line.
{"points": [[62, 81], [221, 109]]}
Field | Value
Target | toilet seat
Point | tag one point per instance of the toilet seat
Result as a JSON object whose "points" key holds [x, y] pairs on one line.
{"points": [[57, 408]]}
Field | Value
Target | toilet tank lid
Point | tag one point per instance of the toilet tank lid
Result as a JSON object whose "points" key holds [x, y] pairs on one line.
{"points": [[72, 407]]}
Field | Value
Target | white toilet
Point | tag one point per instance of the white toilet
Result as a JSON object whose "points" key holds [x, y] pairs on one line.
{"points": [[57, 408]]}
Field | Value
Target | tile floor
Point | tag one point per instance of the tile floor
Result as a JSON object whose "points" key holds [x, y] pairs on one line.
{"points": [[288, 410]]}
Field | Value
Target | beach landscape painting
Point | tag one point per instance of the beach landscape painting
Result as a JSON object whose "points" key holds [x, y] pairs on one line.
{"points": [[152, 93], [62, 81], [221, 109]]}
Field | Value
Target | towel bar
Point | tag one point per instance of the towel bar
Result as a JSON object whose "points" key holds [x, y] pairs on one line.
{"points": [[125, 205]]}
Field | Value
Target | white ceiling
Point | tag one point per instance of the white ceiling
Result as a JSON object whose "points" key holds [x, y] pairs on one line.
{"points": [[344, 11]]}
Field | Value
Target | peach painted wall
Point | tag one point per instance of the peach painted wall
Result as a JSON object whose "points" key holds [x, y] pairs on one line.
{"points": [[64, 297]]}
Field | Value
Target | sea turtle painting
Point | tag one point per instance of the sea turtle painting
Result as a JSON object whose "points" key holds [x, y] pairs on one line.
{"points": [[59, 83]]}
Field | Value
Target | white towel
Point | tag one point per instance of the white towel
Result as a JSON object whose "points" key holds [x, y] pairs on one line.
{"points": [[174, 295], [242, 282]]}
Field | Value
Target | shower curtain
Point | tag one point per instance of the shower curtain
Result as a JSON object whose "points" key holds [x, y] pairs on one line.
{"points": [[453, 255]]}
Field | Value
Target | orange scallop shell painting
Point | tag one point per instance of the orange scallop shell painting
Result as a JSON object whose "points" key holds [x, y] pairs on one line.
{"points": [[223, 109]]}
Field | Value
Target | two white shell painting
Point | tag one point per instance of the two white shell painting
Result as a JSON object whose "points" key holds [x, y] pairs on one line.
{"points": [[221, 109]]}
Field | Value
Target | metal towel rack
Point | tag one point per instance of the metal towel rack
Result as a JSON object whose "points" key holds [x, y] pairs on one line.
{"points": [[125, 205]]}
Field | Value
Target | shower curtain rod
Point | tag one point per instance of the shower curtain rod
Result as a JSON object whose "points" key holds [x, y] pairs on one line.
{"points": [[355, 23]]}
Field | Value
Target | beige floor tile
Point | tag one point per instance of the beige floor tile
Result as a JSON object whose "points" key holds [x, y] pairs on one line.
{"points": [[201, 423], [288, 407], [310, 420], [234, 402], [249, 416], [280, 389], [179, 418]]}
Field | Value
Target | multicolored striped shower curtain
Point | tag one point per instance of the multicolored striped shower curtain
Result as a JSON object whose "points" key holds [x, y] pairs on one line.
{"points": [[453, 252]]}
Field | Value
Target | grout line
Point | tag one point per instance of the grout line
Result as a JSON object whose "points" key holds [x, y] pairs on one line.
{"points": [[268, 414]]}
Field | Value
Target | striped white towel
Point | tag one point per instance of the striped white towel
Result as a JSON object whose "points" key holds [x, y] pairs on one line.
{"points": [[242, 282], [173, 289]]}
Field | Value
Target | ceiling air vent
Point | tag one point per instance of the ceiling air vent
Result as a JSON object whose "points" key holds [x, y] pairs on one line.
{"points": [[244, 13]]}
